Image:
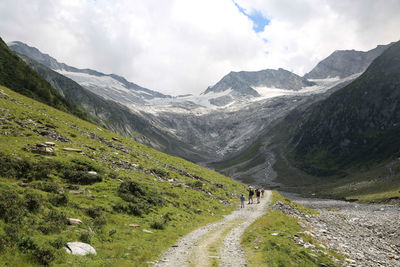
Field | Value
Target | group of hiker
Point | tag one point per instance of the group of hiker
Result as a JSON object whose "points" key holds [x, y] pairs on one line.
{"points": [[259, 192]]}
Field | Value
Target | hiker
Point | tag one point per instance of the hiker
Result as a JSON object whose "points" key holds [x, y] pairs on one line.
{"points": [[242, 199], [262, 192], [251, 194], [258, 194]]}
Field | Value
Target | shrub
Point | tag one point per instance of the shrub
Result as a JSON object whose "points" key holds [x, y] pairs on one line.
{"points": [[27, 244], [49, 187], [59, 199], [12, 208], [53, 222], [33, 201], [85, 237], [58, 243], [128, 208], [197, 184], [94, 212], [160, 172], [44, 255], [81, 177], [158, 225], [141, 199]]}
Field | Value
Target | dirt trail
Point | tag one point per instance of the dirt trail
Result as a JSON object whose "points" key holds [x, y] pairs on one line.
{"points": [[196, 248]]}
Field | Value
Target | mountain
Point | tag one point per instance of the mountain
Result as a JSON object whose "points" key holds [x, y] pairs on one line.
{"points": [[16, 75], [343, 63], [231, 126], [110, 86], [254, 84], [359, 123], [63, 179], [108, 113]]}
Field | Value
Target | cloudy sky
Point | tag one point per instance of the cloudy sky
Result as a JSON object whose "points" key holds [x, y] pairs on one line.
{"points": [[183, 46]]}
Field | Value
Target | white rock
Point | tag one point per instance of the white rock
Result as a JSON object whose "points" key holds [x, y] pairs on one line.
{"points": [[74, 221], [92, 172], [275, 234], [79, 248]]}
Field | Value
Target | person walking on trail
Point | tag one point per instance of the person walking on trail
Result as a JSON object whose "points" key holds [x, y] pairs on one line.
{"points": [[258, 194], [242, 199], [262, 192], [251, 194]]}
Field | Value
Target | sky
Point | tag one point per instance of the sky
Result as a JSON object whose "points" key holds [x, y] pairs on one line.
{"points": [[183, 46]]}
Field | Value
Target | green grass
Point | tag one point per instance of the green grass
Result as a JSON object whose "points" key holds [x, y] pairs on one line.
{"points": [[134, 185], [264, 249]]}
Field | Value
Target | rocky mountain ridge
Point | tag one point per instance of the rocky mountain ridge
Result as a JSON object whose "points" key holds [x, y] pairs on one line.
{"points": [[110, 86], [343, 63]]}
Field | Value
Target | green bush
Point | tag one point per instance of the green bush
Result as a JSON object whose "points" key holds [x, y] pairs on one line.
{"points": [[12, 207], [85, 237], [59, 199], [81, 177], [27, 244], [58, 243], [141, 199], [49, 187], [33, 201], [158, 225], [160, 172], [53, 222], [128, 208], [44, 255]]}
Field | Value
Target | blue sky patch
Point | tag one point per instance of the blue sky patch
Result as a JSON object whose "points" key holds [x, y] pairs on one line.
{"points": [[258, 19]]}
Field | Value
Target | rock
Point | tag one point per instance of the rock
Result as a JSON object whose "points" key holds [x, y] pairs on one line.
{"points": [[72, 149], [79, 248], [147, 231], [50, 143], [308, 245], [390, 256], [274, 234], [92, 172], [301, 224], [134, 225], [48, 150], [73, 221]]}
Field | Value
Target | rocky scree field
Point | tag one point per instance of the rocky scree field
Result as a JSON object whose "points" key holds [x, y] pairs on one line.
{"points": [[131, 202]]}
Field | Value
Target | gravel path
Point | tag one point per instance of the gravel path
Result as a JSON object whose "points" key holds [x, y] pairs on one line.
{"points": [[186, 251], [368, 235]]}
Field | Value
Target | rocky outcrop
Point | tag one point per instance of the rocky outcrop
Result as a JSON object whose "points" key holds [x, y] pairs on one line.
{"points": [[343, 63], [79, 248]]}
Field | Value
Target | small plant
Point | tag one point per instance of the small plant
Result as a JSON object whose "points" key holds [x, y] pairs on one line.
{"points": [[58, 243], [53, 222], [158, 225], [85, 237], [33, 201], [59, 199]]}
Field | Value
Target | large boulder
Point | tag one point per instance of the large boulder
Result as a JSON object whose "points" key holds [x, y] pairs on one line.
{"points": [[79, 248]]}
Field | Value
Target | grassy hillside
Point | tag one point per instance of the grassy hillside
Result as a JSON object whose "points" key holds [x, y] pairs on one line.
{"points": [[105, 180], [18, 76]]}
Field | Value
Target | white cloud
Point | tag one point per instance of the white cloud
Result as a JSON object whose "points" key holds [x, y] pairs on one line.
{"points": [[183, 46]]}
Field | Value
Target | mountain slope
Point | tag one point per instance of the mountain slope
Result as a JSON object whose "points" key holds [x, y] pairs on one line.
{"points": [[357, 124], [343, 63], [110, 86], [54, 166], [16, 75]]}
